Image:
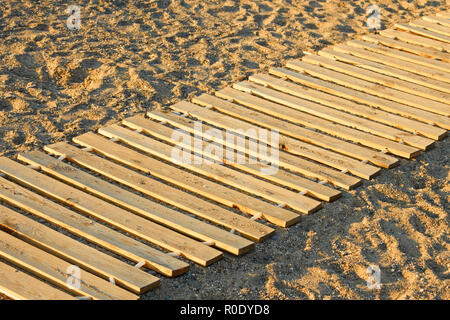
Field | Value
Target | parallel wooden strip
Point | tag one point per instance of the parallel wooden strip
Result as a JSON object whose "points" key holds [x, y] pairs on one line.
{"points": [[438, 20], [97, 233], [18, 285], [55, 270], [193, 250], [444, 14], [248, 130], [384, 132], [189, 181], [415, 39], [75, 252], [438, 69], [349, 106], [428, 52], [337, 87], [215, 171], [366, 86], [431, 26], [406, 92], [292, 130], [284, 160], [315, 122], [171, 195], [401, 69], [422, 32]]}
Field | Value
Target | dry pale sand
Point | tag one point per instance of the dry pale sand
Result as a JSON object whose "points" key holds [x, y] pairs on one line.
{"points": [[130, 56]]}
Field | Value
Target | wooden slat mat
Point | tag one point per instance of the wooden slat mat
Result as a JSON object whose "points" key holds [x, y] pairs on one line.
{"points": [[118, 205]]}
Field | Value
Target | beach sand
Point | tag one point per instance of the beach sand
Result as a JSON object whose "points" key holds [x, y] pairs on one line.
{"points": [[132, 56]]}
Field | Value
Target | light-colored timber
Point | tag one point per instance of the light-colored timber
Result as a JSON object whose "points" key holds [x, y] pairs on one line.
{"points": [[415, 39], [393, 67], [423, 32], [215, 171], [438, 20], [171, 195], [341, 87], [18, 285], [431, 66], [97, 233], [73, 251], [444, 30], [204, 255], [251, 131], [370, 87], [188, 181], [350, 106], [428, 52], [57, 270], [296, 116], [289, 129], [407, 92]]}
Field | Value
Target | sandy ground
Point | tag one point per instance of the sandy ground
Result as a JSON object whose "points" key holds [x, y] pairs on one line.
{"points": [[130, 56]]}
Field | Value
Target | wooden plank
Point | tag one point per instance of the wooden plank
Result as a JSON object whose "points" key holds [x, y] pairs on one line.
{"points": [[195, 251], [422, 32], [292, 130], [444, 14], [394, 67], [250, 131], [215, 171], [349, 106], [428, 52], [77, 253], [437, 20], [55, 270], [443, 30], [170, 195], [415, 39], [366, 86], [97, 233], [188, 181], [311, 121], [361, 96], [431, 66], [18, 285], [406, 92], [285, 160], [341, 117]]}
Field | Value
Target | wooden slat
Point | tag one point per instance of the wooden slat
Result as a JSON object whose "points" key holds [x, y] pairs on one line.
{"points": [[439, 69], [360, 96], [349, 106], [408, 47], [189, 181], [73, 251], [343, 118], [216, 171], [438, 20], [422, 32], [394, 67], [248, 130], [431, 26], [406, 92], [365, 86], [193, 250], [292, 130], [315, 122], [415, 39], [97, 233], [444, 14], [284, 160], [54, 270], [18, 285], [171, 195]]}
